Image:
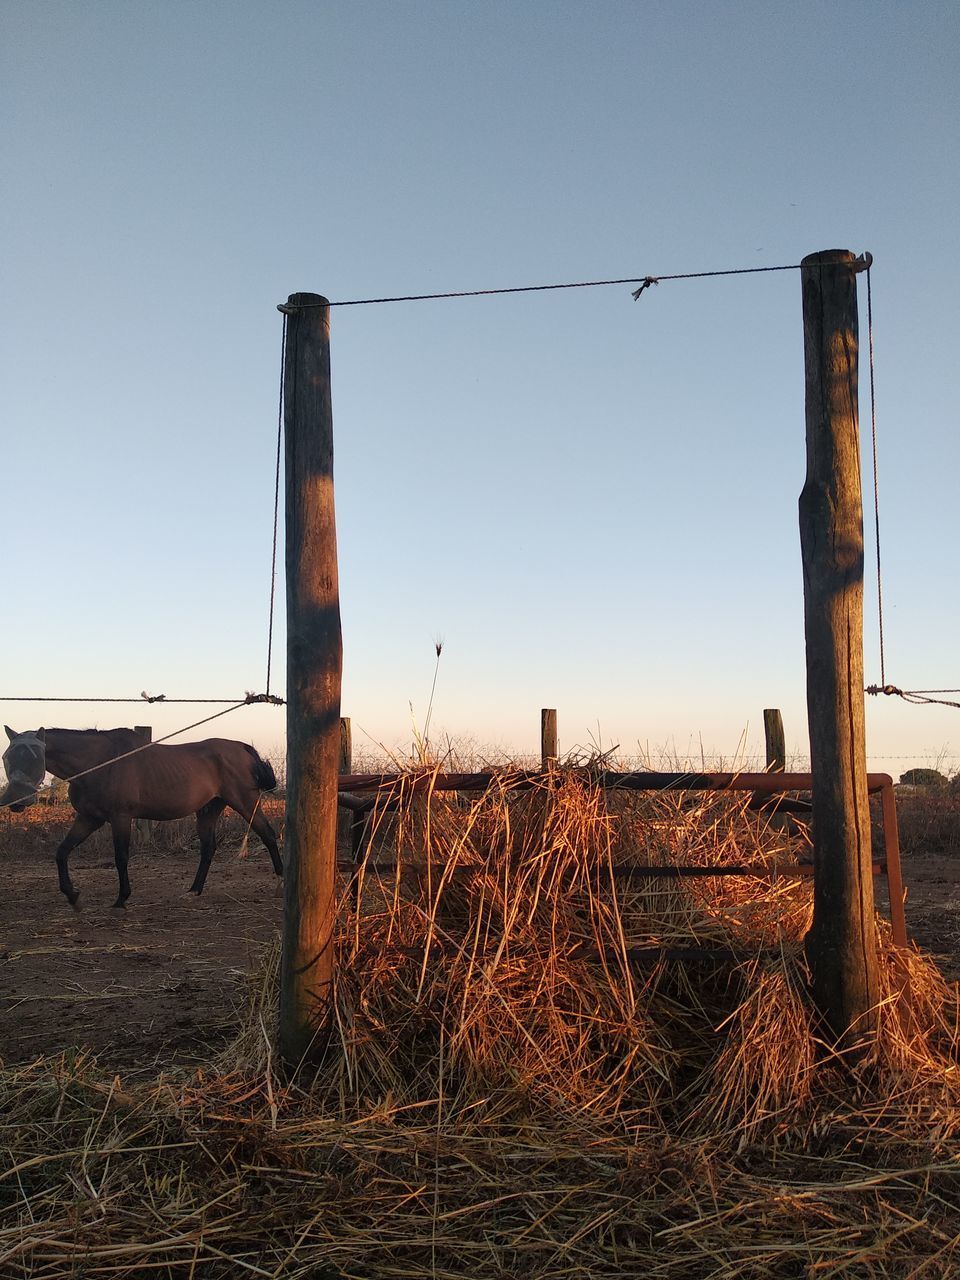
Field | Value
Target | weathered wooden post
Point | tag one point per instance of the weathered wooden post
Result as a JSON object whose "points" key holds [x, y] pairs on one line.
{"points": [[775, 741], [314, 660], [345, 765], [548, 737], [842, 943], [144, 826]]}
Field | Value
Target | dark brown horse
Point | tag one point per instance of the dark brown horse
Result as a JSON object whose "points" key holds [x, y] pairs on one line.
{"points": [[159, 782]]}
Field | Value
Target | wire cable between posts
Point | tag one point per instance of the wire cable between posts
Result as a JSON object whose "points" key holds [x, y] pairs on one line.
{"points": [[643, 281], [918, 697], [876, 479], [156, 697], [276, 504]]}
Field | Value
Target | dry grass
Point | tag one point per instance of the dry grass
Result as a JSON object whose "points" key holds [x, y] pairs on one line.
{"points": [[506, 1094], [929, 819]]}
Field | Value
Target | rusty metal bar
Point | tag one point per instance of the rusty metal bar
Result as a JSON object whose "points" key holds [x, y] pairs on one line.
{"points": [[760, 783], [633, 955], [766, 783], [627, 870]]}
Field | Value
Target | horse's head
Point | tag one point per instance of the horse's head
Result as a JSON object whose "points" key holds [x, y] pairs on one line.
{"points": [[24, 762]]}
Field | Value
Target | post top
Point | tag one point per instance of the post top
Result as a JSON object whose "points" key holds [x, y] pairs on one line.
{"points": [[828, 256], [839, 258], [298, 301]]}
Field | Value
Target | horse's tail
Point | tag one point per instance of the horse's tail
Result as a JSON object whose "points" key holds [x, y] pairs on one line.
{"points": [[263, 775]]}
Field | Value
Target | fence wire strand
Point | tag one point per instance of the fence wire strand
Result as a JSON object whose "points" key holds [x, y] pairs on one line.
{"points": [[135, 751]]}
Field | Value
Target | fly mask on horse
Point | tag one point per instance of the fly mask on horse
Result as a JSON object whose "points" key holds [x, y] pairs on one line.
{"points": [[24, 763]]}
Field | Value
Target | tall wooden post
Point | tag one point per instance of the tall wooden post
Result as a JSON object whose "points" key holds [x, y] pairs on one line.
{"points": [[548, 737], [775, 741], [842, 944], [313, 683]]}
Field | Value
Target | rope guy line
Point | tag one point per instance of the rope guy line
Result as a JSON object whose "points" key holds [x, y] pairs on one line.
{"points": [[249, 700], [276, 503], [876, 480]]}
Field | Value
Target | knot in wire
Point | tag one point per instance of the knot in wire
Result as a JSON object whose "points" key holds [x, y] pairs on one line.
{"points": [[264, 697], [888, 689]]}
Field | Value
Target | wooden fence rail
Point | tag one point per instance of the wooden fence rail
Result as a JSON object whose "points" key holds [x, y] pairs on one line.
{"points": [[388, 788]]}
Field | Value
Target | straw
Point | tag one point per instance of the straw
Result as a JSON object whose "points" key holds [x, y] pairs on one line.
{"points": [[508, 1092]]}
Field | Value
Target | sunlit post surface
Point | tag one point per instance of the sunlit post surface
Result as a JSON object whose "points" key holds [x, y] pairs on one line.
{"points": [[842, 942], [314, 661]]}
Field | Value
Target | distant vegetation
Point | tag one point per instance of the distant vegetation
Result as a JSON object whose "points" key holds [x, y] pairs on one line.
{"points": [[923, 778]]}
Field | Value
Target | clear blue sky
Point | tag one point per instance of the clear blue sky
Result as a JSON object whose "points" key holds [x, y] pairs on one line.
{"points": [[592, 501]]}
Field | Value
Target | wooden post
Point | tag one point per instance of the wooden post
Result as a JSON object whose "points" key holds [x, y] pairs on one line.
{"points": [[842, 943], [314, 660], [548, 738], [345, 765], [891, 845], [775, 741], [144, 826]]}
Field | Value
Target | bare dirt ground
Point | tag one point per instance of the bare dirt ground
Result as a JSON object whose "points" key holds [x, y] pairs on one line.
{"points": [[932, 881], [158, 985], [153, 985]]}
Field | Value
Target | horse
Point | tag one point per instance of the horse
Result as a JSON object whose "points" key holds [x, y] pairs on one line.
{"points": [[114, 778]]}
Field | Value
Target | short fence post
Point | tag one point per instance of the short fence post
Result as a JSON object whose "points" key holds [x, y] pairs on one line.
{"points": [[891, 847], [144, 826], [314, 661], [548, 738], [344, 819], [775, 741], [842, 943]]}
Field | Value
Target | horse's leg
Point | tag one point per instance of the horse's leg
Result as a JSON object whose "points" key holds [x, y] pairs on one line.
{"points": [[207, 831], [83, 826], [269, 837], [121, 852], [253, 816]]}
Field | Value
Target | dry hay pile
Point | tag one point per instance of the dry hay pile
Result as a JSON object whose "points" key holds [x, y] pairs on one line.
{"points": [[508, 1094]]}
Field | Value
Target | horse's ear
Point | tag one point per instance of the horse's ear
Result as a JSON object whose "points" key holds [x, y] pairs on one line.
{"points": [[10, 734], [42, 735]]}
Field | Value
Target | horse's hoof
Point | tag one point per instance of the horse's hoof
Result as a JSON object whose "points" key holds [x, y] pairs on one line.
{"points": [[119, 903]]}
